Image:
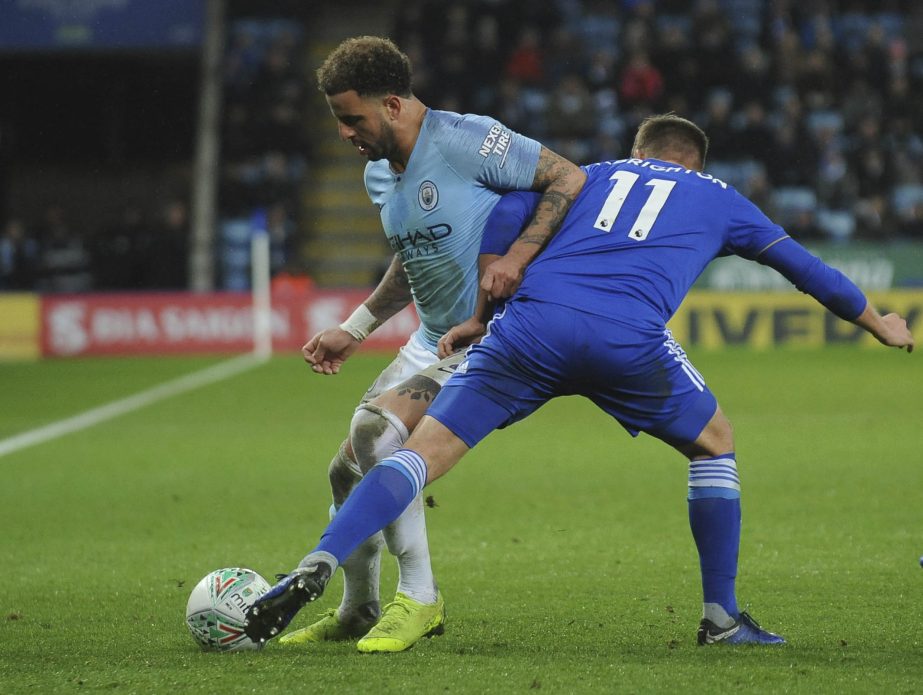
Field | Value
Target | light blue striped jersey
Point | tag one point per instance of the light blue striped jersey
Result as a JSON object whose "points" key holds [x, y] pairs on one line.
{"points": [[434, 212]]}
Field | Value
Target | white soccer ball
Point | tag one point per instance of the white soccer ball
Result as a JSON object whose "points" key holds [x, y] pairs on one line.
{"points": [[215, 613]]}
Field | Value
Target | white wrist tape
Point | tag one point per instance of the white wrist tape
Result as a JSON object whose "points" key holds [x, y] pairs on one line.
{"points": [[360, 323]]}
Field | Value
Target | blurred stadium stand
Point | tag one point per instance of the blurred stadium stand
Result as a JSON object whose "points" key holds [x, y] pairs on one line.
{"points": [[815, 110]]}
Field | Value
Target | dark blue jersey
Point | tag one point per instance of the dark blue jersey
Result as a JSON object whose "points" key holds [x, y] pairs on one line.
{"points": [[642, 231]]}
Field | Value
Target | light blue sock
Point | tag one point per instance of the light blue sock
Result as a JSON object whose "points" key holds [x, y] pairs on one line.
{"points": [[379, 498], [714, 517]]}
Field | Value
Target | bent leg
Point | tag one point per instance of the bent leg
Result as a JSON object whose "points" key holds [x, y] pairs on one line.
{"points": [[377, 432], [379, 429], [389, 487]]}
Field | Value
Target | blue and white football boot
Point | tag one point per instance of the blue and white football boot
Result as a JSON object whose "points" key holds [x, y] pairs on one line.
{"points": [[274, 610], [745, 631]]}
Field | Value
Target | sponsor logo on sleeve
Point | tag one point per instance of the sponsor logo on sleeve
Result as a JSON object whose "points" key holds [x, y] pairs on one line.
{"points": [[497, 142]]}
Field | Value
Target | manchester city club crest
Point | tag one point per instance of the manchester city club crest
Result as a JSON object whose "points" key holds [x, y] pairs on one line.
{"points": [[428, 195]]}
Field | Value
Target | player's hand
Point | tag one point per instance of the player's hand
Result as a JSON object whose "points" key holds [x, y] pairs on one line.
{"points": [[462, 335], [328, 350], [893, 331], [502, 277]]}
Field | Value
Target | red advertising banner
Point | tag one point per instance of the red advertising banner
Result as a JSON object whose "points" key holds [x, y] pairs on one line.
{"points": [[156, 323]]}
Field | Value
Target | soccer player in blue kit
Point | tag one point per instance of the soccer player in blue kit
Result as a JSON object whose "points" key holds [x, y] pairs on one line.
{"points": [[590, 318], [434, 177]]}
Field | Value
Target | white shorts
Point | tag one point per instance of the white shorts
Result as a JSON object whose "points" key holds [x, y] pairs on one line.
{"points": [[413, 358]]}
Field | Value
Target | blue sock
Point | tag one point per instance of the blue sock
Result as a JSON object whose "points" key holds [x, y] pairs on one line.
{"points": [[379, 498], [714, 517]]}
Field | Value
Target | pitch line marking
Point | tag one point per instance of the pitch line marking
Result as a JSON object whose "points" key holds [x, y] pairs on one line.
{"points": [[123, 406]]}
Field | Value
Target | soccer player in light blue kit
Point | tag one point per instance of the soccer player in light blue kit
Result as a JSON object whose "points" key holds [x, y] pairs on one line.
{"points": [[434, 176], [590, 318]]}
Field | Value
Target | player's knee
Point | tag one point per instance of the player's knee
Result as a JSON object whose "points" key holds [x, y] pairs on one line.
{"points": [[716, 439], [375, 433], [344, 473], [724, 433]]}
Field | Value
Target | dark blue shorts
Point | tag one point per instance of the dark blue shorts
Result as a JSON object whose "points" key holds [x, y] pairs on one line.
{"points": [[535, 351]]}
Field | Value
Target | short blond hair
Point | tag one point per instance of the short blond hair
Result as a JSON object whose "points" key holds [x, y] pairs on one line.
{"points": [[666, 134]]}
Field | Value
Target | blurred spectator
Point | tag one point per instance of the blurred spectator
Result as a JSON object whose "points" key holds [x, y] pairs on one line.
{"points": [[910, 226], [64, 264], [600, 71], [674, 55], [511, 107], [571, 118], [281, 230], [792, 160], [165, 266], [752, 81], [19, 257], [814, 78], [803, 226], [717, 123], [640, 83], [482, 59], [525, 64], [291, 282], [755, 134], [597, 24], [120, 252], [714, 47]]}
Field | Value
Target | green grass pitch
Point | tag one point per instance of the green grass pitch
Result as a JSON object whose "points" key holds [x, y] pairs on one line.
{"points": [[561, 544]]}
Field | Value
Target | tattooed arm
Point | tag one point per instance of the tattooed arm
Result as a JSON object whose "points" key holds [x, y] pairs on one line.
{"points": [[560, 181], [328, 350], [391, 295]]}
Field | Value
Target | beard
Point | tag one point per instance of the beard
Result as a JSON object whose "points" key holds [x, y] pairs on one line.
{"points": [[385, 147]]}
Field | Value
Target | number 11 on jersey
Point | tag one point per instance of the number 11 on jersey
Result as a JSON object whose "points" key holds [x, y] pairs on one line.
{"points": [[624, 180]]}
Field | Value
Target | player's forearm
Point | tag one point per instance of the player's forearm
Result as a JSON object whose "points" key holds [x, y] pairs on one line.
{"points": [[390, 296], [811, 275], [870, 320], [560, 181]]}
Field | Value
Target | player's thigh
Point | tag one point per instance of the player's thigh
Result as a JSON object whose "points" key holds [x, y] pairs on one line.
{"points": [[413, 357], [489, 391], [652, 386], [440, 448], [411, 397]]}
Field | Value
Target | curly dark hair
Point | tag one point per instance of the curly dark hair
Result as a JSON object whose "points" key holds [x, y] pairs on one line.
{"points": [[371, 65], [669, 133]]}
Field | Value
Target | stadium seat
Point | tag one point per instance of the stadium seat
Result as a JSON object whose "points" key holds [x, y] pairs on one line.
{"points": [[790, 201], [905, 198], [825, 120], [838, 225]]}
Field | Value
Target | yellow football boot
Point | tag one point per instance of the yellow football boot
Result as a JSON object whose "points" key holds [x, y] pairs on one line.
{"points": [[328, 628], [403, 623]]}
